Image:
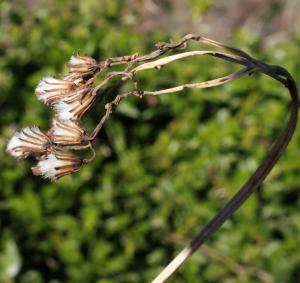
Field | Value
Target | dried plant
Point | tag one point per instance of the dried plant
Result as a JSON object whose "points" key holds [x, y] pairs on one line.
{"points": [[72, 95]]}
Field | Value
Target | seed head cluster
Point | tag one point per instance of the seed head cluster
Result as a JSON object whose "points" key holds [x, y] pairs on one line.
{"points": [[69, 97]]}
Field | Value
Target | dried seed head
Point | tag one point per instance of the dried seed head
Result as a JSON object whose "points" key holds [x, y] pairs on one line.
{"points": [[67, 133], [56, 165], [74, 105], [84, 65], [29, 141], [50, 90]]}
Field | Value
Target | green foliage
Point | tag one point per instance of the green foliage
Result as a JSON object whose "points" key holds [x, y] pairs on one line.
{"points": [[164, 165]]}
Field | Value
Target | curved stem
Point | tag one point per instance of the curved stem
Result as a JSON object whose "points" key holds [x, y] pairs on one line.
{"points": [[250, 186]]}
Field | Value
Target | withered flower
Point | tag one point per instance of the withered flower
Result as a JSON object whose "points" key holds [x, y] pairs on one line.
{"points": [[84, 65], [50, 90], [29, 141], [67, 133], [75, 104], [56, 165]]}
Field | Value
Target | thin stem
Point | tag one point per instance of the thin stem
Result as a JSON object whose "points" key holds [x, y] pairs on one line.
{"points": [[250, 186]]}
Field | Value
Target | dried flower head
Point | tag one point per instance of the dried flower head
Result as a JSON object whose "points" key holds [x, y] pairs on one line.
{"points": [[84, 65], [50, 90], [56, 165], [75, 104], [29, 141], [67, 133]]}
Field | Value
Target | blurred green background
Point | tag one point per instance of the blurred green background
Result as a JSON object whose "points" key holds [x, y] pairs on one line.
{"points": [[164, 165]]}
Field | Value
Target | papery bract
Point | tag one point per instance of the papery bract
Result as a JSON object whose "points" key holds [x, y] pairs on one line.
{"points": [[74, 105], [67, 133], [56, 165], [50, 90], [84, 65], [29, 141]]}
